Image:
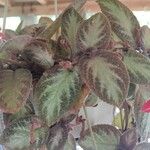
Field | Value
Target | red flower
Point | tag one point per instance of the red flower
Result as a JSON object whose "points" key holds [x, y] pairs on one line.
{"points": [[146, 107]]}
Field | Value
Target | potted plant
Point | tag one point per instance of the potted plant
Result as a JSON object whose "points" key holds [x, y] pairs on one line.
{"points": [[45, 81]]}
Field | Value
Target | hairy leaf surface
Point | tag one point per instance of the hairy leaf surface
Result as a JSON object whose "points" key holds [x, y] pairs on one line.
{"points": [[13, 47], [26, 110], [57, 137], [122, 20], [138, 66], [17, 43], [107, 138], [94, 32], [24, 134], [70, 24], [55, 93], [106, 75], [15, 89], [37, 52]]}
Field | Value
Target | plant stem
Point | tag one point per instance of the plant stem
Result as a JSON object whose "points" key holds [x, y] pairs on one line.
{"points": [[90, 128], [121, 118]]}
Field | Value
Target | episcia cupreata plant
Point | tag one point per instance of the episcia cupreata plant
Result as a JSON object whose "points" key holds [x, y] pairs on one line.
{"points": [[46, 78]]}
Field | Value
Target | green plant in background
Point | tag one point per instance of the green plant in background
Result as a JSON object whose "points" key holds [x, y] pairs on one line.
{"points": [[45, 80]]}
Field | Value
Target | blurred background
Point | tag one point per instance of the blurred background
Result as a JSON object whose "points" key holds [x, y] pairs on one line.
{"points": [[31, 10]]}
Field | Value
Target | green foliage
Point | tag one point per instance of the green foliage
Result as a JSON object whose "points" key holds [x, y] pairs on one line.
{"points": [[37, 52], [94, 33], [57, 137], [122, 20], [71, 21], [107, 138], [24, 134], [138, 66], [107, 77], [15, 89], [54, 68], [55, 93]]}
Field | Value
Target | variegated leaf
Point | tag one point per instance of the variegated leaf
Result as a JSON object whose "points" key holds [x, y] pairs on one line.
{"points": [[138, 66], [145, 32], [70, 143], [94, 32], [17, 43], [50, 30], [142, 146], [106, 138], [116, 41], [24, 134], [15, 88], [142, 119], [57, 137], [128, 140], [70, 24], [55, 93], [37, 52], [122, 20], [106, 75], [91, 100], [13, 47], [26, 110]]}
